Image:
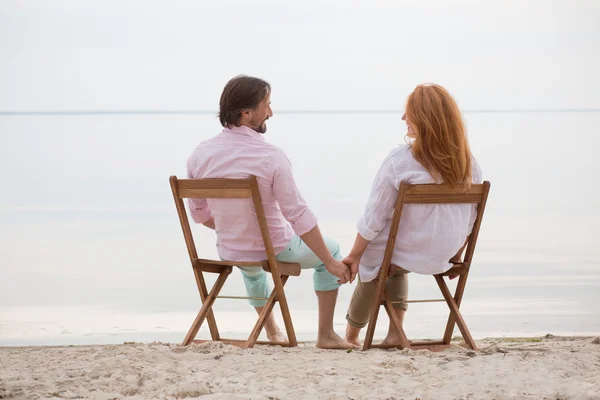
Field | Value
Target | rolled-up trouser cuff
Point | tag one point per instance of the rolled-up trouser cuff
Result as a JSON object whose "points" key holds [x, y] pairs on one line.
{"points": [[359, 309], [355, 324]]}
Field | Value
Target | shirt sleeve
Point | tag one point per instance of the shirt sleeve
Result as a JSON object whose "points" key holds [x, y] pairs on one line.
{"points": [[380, 205], [292, 205], [198, 207], [477, 177]]}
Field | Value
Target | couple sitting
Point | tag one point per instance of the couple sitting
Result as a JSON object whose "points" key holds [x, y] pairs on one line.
{"points": [[429, 235]]}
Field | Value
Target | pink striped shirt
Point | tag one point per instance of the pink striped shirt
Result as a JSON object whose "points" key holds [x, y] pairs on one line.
{"points": [[239, 152]]}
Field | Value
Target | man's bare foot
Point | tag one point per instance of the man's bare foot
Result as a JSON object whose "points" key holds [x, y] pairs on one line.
{"points": [[333, 341], [277, 337], [391, 340], [353, 341]]}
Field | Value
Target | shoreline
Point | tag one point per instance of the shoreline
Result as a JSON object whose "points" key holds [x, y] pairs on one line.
{"points": [[303, 343]]}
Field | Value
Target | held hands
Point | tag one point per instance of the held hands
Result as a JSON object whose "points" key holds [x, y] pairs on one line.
{"points": [[352, 263], [340, 270]]}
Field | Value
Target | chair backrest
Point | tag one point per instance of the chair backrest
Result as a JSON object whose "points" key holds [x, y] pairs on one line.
{"points": [[438, 194], [220, 189]]}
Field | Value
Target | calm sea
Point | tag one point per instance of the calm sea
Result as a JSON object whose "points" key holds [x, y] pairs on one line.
{"points": [[91, 249]]}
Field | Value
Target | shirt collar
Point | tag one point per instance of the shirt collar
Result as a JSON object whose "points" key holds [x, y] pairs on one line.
{"points": [[244, 130]]}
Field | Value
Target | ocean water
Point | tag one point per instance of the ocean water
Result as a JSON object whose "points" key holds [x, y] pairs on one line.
{"points": [[92, 251]]}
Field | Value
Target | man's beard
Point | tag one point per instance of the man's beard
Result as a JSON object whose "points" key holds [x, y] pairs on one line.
{"points": [[262, 127]]}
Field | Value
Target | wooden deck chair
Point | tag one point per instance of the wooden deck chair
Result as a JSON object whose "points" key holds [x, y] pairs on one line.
{"points": [[430, 194], [232, 189]]}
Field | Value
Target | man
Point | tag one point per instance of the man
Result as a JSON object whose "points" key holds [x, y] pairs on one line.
{"points": [[238, 152]]}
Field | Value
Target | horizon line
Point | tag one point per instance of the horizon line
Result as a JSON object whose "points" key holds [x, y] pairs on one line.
{"points": [[289, 112]]}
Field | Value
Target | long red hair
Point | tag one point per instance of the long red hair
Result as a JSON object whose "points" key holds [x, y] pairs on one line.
{"points": [[440, 143]]}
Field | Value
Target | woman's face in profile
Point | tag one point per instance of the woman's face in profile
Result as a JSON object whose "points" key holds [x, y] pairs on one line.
{"points": [[411, 133]]}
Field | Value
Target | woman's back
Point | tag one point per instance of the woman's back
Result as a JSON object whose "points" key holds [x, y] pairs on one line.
{"points": [[428, 236]]}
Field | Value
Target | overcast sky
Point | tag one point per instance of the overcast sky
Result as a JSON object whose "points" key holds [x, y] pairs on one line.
{"points": [[122, 55]]}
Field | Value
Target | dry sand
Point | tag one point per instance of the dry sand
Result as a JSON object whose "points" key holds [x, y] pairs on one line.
{"points": [[530, 368]]}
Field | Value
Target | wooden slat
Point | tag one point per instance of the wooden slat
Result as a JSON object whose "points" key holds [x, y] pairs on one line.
{"points": [[215, 193], [231, 263], [293, 269], [214, 188], [213, 268], [284, 268], [445, 189], [433, 346], [213, 184], [425, 342], [241, 343], [442, 199]]}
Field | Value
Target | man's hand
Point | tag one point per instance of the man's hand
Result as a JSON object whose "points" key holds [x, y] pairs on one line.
{"points": [[352, 263], [339, 269]]}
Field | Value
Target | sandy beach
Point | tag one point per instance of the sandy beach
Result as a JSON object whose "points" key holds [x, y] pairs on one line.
{"points": [[549, 367]]}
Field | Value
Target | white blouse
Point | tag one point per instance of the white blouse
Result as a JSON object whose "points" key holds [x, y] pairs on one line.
{"points": [[429, 234]]}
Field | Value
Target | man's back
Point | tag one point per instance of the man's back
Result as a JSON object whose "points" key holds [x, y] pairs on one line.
{"points": [[237, 153]]}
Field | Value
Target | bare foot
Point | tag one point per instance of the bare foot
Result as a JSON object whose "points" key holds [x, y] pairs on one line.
{"points": [[355, 342], [391, 340], [333, 341], [352, 335], [277, 337]]}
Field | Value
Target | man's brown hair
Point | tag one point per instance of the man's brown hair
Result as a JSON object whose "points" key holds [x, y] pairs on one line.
{"points": [[241, 93]]}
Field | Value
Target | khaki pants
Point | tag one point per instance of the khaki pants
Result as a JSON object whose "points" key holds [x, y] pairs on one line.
{"points": [[396, 287]]}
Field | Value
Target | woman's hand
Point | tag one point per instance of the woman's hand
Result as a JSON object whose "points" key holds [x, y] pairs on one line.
{"points": [[352, 263]]}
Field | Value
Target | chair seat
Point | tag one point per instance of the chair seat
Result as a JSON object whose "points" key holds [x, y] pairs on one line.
{"points": [[216, 266], [456, 270]]}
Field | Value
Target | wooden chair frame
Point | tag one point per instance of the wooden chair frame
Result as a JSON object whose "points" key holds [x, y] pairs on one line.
{"points": [[430, 194], [232, 189]]}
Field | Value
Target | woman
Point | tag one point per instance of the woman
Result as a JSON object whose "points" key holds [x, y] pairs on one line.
{"points": [[429, 235]]}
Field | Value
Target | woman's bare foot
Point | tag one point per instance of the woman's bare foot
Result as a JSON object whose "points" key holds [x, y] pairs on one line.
{"points": [[332, 340], [352, 335], [391, 340]]}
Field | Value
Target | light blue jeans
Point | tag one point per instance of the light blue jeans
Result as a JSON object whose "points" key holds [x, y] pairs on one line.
{"points": [[255, 278]]}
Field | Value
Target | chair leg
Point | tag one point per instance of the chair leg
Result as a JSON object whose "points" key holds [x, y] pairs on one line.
{"points": [[395, 321], [455, 313], [262, 319], [285, 311], [212, 323], [460, 289], [374, 311], [206, 308]]}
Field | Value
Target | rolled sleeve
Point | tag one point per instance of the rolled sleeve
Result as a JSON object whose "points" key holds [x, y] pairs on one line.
{"points": [[292, 205], [380, 205], [198, 207], [199, 210]]}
